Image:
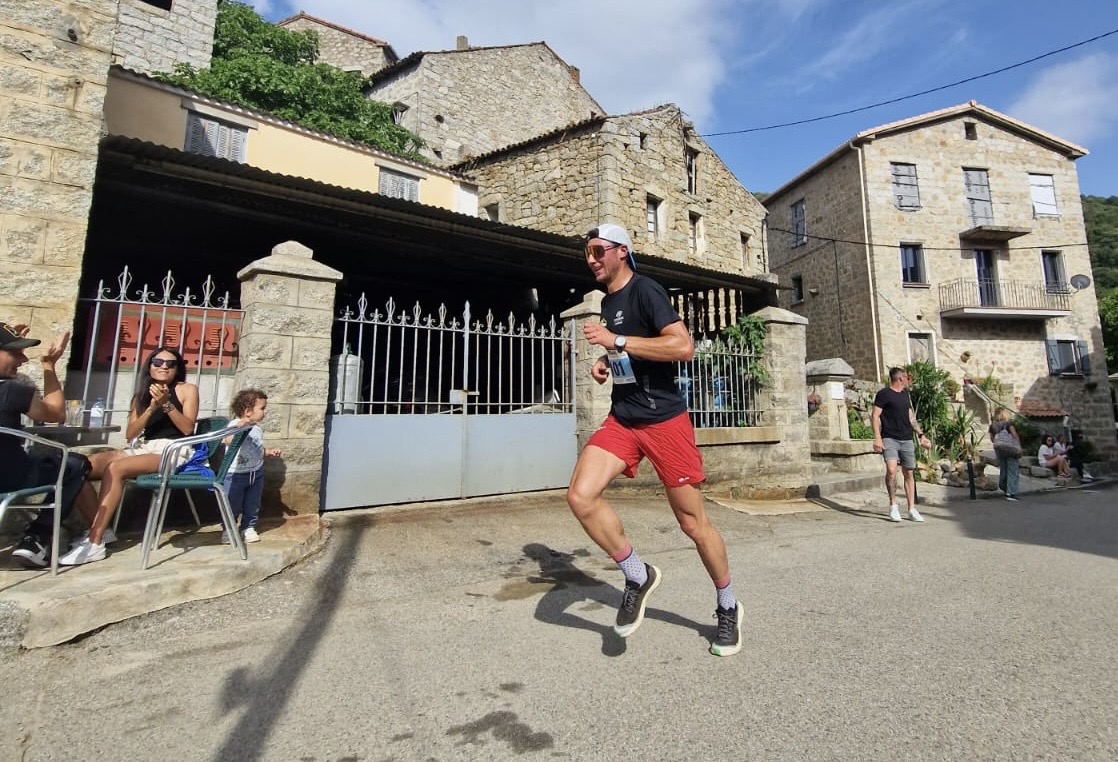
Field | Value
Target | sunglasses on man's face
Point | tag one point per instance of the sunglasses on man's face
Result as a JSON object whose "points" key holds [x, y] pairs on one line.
{"points": [[598, 250], [159, 362]]}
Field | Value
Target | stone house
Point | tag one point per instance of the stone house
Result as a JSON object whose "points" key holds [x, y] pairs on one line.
{"points": [[345, 48], [471, 101], [648, 171], [54, 71], [955, 236]]}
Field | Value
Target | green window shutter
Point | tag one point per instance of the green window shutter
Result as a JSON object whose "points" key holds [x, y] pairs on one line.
{"points": [[1052, 352], [1084, 358]]}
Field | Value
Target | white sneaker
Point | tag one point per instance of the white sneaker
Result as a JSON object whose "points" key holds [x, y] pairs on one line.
{"points": [[83, 553], [914, 515], [107, 538], [250, 535], [894, 512]]}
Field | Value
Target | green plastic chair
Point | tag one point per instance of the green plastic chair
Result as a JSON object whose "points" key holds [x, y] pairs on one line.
{"points": [[19, 498], [161, 485]]}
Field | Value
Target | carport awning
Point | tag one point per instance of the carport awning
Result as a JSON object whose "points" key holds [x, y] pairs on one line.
{"points": [[388, 239]]}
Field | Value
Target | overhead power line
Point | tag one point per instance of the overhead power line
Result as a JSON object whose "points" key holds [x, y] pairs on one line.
{"points": [[1034, 59]]}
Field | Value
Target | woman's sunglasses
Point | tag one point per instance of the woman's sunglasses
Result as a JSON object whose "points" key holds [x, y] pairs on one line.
{"points": [[159, 362]]}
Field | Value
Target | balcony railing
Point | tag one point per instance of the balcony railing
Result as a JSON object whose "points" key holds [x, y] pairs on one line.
{"points": [[1004, 298]]}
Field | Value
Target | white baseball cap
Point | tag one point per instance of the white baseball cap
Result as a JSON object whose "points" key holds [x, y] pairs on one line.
{"points": [[607, 231]]}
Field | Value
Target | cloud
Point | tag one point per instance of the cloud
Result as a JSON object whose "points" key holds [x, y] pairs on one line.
{"points": [[632, 54], [1077, 101]]}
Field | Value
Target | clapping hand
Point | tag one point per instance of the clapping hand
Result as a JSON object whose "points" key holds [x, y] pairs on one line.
{"points": [[160, 395]]}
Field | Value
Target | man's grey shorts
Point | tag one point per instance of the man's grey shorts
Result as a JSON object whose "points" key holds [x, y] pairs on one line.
{"points": [[898, 450]]}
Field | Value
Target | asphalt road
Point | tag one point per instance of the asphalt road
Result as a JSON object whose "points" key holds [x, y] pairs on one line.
{"points": [[483, 631]]}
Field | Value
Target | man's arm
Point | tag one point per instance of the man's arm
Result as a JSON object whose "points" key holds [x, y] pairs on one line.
{"points": [[916, 427], [51, 407], [674, 344], [875, 423]]}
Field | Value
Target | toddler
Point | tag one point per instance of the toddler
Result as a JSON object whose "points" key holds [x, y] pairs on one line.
{"points": [[244, 482]]}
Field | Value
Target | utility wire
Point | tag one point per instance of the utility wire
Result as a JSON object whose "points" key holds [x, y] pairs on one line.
{"points": [[1034, 59]]}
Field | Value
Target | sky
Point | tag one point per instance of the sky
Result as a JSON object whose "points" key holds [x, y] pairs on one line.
{"points": [[739, 67]]}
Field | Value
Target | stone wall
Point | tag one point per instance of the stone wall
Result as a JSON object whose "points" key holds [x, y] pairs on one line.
{"points": [[288, 300], [151, 39], [569, 183], [342, 48], [54, 64], [469, 102]]}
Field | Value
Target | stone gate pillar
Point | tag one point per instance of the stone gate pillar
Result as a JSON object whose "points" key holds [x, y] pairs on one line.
{"points": [[288, 300], [592, 400]]}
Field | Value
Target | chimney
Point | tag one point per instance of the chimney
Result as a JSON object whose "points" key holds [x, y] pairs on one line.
{"points": [[463, 42], [576, 76]]}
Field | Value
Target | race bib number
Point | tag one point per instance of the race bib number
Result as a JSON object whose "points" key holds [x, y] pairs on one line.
{"points": [[621, 368]]}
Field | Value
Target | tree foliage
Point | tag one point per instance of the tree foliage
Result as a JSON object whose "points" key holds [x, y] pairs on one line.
{"points": [[272, 69], [1101, 217]]}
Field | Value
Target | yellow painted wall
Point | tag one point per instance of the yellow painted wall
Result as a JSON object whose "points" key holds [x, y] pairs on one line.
{"points": [[155, 113]]}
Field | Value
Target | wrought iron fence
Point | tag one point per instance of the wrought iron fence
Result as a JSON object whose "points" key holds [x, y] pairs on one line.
{"points": [[411, 362], [721, 383], [123, 325]]}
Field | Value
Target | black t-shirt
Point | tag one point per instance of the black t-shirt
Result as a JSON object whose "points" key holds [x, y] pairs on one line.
{"points": [[895, 423], [642, 308], [15, 400]]}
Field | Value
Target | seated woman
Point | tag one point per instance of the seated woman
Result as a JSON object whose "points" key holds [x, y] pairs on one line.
{"points": [[164, 410], [1048, 457]]}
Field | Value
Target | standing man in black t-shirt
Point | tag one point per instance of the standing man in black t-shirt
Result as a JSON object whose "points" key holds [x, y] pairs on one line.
{"points": [[644, 337], [18, 469], [893, 421]]}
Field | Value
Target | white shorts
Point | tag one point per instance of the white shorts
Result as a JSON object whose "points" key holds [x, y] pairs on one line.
{"points": [[157, 446]]}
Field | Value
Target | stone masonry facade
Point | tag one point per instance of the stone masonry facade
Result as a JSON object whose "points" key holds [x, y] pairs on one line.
{"points": [[343, 48], [568, 182], [151, 39], [853, 292], [53, 74], [466, 103]]}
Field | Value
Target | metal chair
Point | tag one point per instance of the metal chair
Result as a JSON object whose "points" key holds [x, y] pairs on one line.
{"points": [[201, 426], [162, 483], [19, 498]]}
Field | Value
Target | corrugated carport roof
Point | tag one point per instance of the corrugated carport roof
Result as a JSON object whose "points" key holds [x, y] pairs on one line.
{"points": [[402, 237]]}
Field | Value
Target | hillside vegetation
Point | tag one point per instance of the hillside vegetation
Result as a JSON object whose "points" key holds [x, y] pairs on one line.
{"points": [[1101, 216]]}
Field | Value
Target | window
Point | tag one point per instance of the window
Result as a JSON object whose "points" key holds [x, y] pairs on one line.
{"points": [[695, 232], [164, 4], [1067, 357], [652, 214], [398, 111], [745, 250], [642, 140], [1054, 280], [397, 185], [977, 184], [1043, 191], [797, 289], [210, 137], [799, 224], [906, 190], [691, 159], [921, 347], [493, 212], [970, 130], [912, 264]]}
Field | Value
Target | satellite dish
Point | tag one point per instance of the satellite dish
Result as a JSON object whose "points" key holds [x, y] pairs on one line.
{"points": [[1080, 282]]}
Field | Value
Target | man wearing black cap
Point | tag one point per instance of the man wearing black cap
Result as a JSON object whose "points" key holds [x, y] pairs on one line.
{"points": [[18, 469], [644, 338]]}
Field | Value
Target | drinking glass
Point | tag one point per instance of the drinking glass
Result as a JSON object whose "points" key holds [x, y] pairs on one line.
{"points": [[75, 411]]}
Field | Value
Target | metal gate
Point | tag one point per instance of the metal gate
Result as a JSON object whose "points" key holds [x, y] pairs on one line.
{"points": [[434, 406]]}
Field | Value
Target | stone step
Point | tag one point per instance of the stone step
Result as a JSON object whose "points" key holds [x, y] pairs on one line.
{"points": [[837, 483]]}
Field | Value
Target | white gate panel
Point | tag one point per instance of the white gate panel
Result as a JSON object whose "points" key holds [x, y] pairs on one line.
{"points": [[386, 459], [506, 452]]}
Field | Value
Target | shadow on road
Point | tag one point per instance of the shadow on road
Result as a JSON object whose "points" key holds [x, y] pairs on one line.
{"points": [[570, 586], [262, 698]]}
